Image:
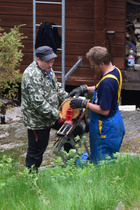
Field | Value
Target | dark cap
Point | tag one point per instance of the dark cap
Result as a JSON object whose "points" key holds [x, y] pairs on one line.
{"points": [[45, 53]]}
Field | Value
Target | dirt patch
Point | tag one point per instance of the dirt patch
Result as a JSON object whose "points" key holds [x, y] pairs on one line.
{"points": [[13, 135]]}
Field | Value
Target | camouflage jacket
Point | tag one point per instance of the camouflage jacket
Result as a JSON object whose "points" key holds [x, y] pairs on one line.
{"points": [[40, 98]]}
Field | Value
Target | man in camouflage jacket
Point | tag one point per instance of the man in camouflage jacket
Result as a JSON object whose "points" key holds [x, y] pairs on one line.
{"points": [[41, 96]]}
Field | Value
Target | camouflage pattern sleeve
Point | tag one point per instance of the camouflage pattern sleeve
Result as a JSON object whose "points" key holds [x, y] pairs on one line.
{"points": [[62, 94], [40, 100]]}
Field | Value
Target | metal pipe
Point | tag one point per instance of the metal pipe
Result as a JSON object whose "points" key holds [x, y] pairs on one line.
{"points": [[48, 2], [77, 64], [63, 44], [34, 27], [58, 26]]}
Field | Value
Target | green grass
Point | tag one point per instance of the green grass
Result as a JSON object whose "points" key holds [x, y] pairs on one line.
{"points": [[16, 154], [68, 187]]}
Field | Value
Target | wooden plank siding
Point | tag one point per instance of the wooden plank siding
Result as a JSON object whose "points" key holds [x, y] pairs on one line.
{"points": [[116, 21], [86, 24]]}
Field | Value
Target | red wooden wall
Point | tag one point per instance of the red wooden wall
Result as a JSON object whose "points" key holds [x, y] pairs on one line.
{"points": [[86, 24]]}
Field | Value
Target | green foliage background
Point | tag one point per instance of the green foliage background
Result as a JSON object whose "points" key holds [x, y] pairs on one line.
{"points": [[10, 58]]}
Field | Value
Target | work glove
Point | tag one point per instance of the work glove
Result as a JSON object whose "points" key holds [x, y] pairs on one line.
{"points": [[79, 103], [78, 91]]}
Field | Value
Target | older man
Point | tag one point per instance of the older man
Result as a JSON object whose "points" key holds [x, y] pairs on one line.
{"points": [[41, 96]]}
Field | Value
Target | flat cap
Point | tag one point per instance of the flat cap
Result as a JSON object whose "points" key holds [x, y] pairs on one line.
{"points": [[45, 53]]}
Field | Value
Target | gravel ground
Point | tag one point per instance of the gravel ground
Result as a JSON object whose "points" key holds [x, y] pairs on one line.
{"points": [[132, 127], [13, 134]]}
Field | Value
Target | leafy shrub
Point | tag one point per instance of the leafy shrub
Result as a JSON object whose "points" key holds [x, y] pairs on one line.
{"points": [[10, 58]]}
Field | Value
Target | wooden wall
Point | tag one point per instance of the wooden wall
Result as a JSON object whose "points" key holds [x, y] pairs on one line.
{"points": [[116, 21], [86, 24], [18, 12]]}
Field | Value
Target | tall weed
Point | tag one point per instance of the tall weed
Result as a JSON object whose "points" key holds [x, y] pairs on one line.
{"points": [[67, 186]]}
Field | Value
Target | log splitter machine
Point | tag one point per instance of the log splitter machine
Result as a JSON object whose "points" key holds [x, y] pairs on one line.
{"points": [[75, 124]]}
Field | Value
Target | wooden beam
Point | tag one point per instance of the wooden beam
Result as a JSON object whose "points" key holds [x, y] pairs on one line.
{"points": [[132, 86]]}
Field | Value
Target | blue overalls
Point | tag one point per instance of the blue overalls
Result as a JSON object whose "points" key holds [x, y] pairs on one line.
{"points": [[106, 133]]}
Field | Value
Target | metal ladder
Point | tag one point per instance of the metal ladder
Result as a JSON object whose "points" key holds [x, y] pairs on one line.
{"points": [[79, 62]]}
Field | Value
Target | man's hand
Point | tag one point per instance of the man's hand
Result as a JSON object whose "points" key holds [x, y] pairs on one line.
{"points": [[78, 91], [60, 121], [79, 103]]}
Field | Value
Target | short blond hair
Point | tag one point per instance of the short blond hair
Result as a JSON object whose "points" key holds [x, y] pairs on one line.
{"points": [[99, 55]]}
